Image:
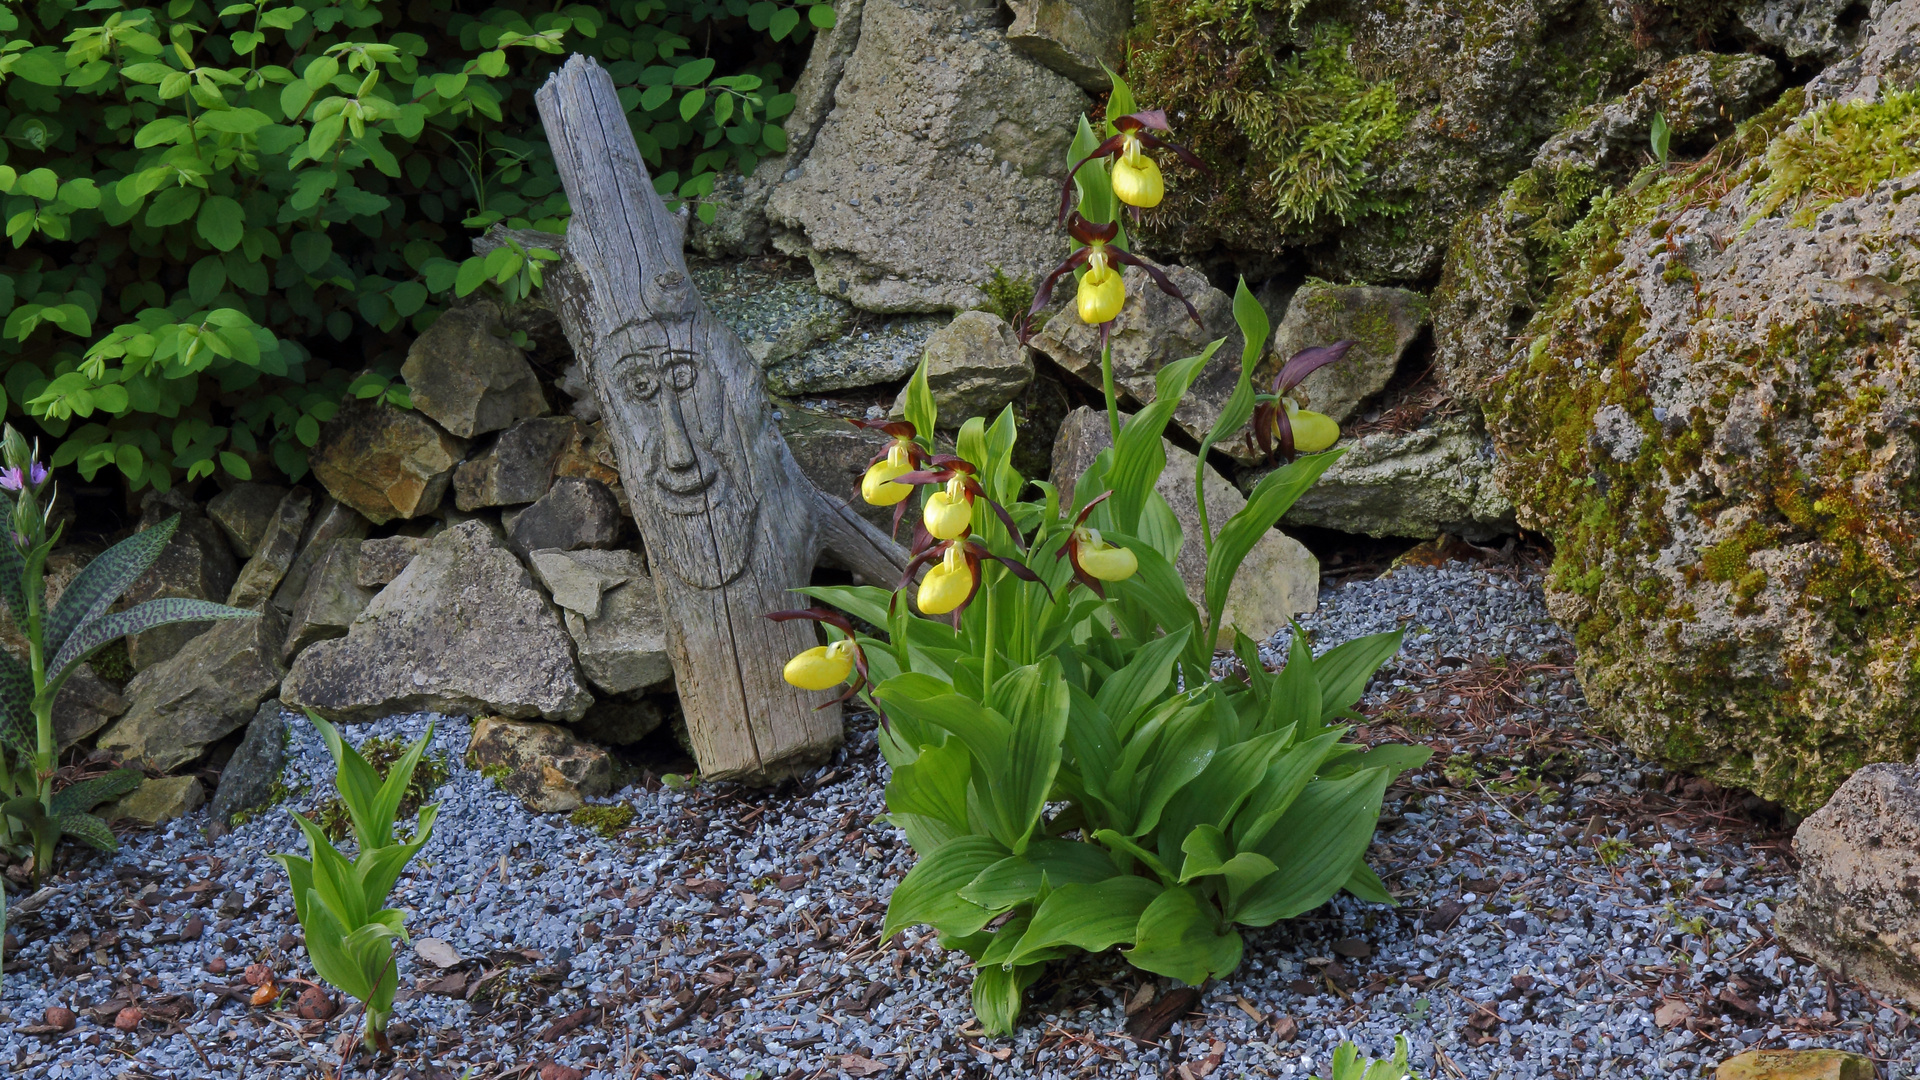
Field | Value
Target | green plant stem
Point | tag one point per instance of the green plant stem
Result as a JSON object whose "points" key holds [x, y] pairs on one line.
{"points": [[1106, 387], [45, 749], [986, 660]]}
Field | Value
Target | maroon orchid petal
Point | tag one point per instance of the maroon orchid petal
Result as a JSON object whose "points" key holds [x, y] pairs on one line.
{"points": [[973, 568], [1088, 509], [1022, 571], [1155, 119], [1087, 232], [1188, 157], [820, 615], [922, 539], [1067, 191], [924, 476], [899, 429], [1045, 293], [1159, 278], [1007, 520], [1306, 362], [899, 514], [920, 559], [1263, 426], [1283, 431]]}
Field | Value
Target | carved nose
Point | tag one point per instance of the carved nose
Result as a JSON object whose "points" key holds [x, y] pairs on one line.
{"points": [[679, 448]]}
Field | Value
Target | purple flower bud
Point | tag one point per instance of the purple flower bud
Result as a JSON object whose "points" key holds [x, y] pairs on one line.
{"points": [[39, 474], [11, 479]]}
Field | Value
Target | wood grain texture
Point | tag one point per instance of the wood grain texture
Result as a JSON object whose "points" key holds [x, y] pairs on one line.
{"points": [[730, 523]]}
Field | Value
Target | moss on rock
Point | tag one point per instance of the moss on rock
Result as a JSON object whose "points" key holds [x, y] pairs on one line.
{"points": [[1711, 415]]}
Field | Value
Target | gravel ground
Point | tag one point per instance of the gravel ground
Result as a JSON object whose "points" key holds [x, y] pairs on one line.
{"points": [[1567, 912]]}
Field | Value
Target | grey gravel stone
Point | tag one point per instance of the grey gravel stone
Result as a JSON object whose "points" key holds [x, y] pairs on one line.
{"points": [[779, 898]]}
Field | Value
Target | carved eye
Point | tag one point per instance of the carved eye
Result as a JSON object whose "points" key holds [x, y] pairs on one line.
{"points": [[680, 374], [644, 382]]}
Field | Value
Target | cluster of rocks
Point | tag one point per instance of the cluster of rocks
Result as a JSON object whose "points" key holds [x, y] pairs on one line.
{"points": [[471, 555]]}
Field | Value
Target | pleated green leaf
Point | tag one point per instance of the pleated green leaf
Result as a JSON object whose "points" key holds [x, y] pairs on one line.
{"points": [[88, 794], [87, 829]]}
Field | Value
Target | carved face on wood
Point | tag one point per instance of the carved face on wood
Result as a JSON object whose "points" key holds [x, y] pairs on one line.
{"points": [[688, 444]]}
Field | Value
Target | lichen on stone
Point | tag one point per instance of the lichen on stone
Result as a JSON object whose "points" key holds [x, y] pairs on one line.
{"points": [[1739, 567]]}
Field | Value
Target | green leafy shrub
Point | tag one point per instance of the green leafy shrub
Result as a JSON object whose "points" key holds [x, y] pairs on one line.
{"points": [[33, 816], [1349, 1065], [221, 213], [349, 936], [1193, 806]]}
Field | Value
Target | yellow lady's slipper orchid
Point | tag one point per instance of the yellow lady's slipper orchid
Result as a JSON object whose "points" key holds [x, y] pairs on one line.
{"points": [[948, 584], [1312, 431], [877, 487], [949, 512], [821, 667], [1102, 293], [1108, 562], [1136, 179]]}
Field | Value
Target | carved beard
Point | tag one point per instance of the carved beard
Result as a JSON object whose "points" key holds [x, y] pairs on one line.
{"points": [[692, 502]]}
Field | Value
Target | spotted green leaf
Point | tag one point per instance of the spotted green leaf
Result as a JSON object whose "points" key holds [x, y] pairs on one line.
{"points": [[104, 580], [87, 794], [87, 829], [108, 628], [16, 705], [13, 567]]}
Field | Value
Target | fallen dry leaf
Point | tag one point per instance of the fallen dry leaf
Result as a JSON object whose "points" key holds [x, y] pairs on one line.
{"points": [[1671, 1013], [436, 952], [856, 1065], [264, 994], [553, 1070]]}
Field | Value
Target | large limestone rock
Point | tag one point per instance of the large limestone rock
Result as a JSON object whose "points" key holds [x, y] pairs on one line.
{"points": [[332, 599], [200, 695], [273, 551], [386, 558], [517, 468], [195, 564], [159, 800], [86, 704], [1711, 418], [468, 377], [1802, 29], [1504, 258], [1280, 578], [938, 161], [385, 462], [1885, 61], [975, 367], [1152, 330], [1432, 480], [1382, 323], [246, 783], [1857, 911], [1074, 37], [548, 769], [573, 514], [462, 630], [332, 521], [619, 636], [244, 512]]}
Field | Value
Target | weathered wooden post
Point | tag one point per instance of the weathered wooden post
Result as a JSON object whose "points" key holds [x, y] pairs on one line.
{"points": [[730, 522]]}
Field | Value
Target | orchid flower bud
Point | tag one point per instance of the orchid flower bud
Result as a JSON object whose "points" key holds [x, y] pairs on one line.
{"points": [[948, 584], [821, 667], [877, 487], [949, 512]]}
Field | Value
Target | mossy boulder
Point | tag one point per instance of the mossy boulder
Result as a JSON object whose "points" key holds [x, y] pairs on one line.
{"points": [[1712, 415], [1359, 132]]}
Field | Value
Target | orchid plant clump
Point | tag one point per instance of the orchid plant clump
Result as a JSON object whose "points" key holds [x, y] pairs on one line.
{"points": [[34, 815], [1068, 768]]}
